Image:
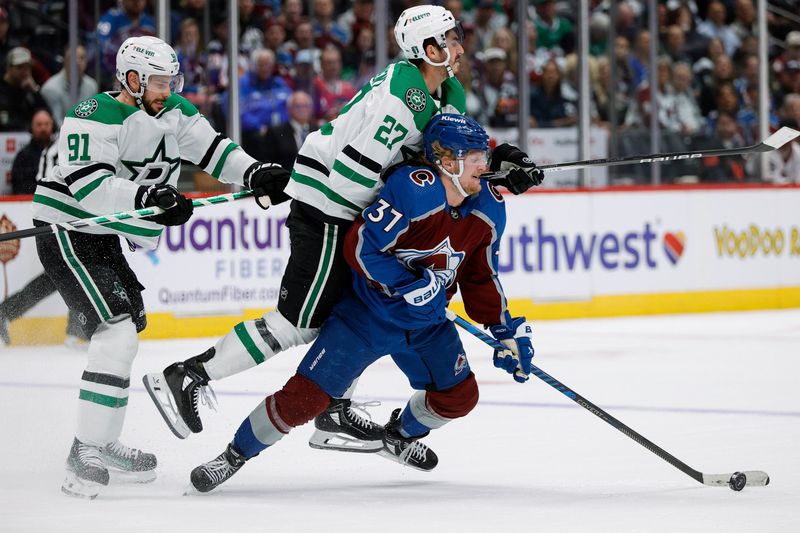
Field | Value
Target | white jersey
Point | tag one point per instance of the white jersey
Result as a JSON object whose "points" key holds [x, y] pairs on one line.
{"points": [[107, 150], [338, 168]]}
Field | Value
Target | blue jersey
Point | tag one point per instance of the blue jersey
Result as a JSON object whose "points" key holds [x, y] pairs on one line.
{"points": [[411, 226]]}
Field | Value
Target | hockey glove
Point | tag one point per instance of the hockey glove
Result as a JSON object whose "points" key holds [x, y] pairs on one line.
{"points": [[518, 357], [267, 181], [177, 208], [426, 298], [522, 171]]}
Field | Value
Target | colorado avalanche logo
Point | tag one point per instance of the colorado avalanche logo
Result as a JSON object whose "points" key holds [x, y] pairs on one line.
{"points": [[442, 259], [422, 177]]}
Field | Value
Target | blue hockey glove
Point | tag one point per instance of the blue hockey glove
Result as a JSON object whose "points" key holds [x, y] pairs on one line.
{"points": [[177, 208], [426, 298], [518, 357], [267, 181], [522, 171]]}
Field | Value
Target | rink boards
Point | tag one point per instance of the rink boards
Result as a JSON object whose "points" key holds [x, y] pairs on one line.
{"points": [[564, 254]]}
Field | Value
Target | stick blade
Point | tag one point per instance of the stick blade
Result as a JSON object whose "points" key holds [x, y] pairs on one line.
{"points": [[755, 478], [781, 137]]}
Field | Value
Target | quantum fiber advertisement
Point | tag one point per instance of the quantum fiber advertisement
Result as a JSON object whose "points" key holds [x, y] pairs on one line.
{"points": [[557, 247]]}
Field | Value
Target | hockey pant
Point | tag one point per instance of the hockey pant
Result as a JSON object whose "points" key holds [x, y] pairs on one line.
{"points": [[432, 358], [92, 275], [312, 283]]}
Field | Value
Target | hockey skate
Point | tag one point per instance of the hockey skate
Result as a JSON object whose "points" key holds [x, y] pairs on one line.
{"points": [[407, 451], [214, 473], [176, 392], [128, 464], [86, 473], [343, 429]]}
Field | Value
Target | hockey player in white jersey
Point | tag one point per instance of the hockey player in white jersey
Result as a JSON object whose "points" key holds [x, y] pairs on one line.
{"points": [[120, 151], [337, 173]]}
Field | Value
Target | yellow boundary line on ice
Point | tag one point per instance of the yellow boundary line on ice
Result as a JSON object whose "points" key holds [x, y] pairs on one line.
{"points": [[50, 330]]}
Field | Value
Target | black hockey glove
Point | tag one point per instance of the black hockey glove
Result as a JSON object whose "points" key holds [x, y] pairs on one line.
{"points": [[178, 208], [267, 181], [522, 171]]}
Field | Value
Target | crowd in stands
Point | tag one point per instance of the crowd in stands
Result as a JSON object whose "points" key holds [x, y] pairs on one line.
{"points": [[300, 61]]}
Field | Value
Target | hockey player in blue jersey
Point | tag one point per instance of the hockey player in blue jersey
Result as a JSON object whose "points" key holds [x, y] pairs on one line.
{"points": [[435, 227]]}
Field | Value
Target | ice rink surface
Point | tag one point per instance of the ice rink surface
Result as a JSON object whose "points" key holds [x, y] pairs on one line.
{"points": [[721, 392]]}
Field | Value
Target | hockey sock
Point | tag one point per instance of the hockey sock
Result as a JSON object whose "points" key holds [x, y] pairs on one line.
{"points": [[418, 418], [258, 431], [252, 342], [103, 395]]}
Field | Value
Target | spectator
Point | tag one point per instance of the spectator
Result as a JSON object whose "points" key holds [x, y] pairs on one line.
{"points": [[639, 115], [250, 24], [359, 62], [722, 73], [727, 101], [505, 40], [474, 106], [282, 142], [554, 33], [704, 67], [274, 36], [625, 74], [726, 135], [714, 26], [497, 90], [217, 59], [783, 164], [749, 76], [187, 9], [599, 23], [695, 44], [744, 24], [487, 21], [262, 99], [6, 41], [325, 29], [26, 162], [291, 15], [603, 98], [56, 90], [688, 114], [189, 48], [639, 60], [549, 107], [359, 17], [304, 71], [116, 25], [791, 108], [19, 94], [537, 57], [330, 92], [674, 44], [303, 39]]}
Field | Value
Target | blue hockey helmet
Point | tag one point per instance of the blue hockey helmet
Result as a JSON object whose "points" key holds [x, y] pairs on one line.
{"points": [[458, 133]]}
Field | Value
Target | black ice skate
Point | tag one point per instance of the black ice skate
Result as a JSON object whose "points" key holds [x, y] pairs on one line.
{"points": [[408, 451], [86, 473], [214, 473], [176, 392], [342, 428], [125, 463]]}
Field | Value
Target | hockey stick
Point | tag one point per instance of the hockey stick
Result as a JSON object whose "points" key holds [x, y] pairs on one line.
{"points": [[115, 217], [736, 480], [774, 141]]}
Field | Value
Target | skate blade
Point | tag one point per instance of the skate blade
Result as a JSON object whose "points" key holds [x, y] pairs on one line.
{"points": [[159, 392], [341, 442], [127, 476], [80, 488]]}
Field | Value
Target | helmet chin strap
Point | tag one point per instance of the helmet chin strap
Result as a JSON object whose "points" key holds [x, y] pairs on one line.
{"points": [[445, 63], [137, 97], [455, 177]]}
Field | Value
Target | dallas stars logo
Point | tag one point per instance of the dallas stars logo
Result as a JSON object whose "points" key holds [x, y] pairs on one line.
{"points": [[153, 172], [415, 99], [86, 108], [119, 290]]}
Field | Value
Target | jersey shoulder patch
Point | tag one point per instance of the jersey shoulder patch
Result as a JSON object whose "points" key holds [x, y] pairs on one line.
{"points": [[418, 189], [102, 108], [408, 86]]}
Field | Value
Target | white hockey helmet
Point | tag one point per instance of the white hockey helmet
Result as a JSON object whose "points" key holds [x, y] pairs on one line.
{"points": [[423, 22], [148, 56]]}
